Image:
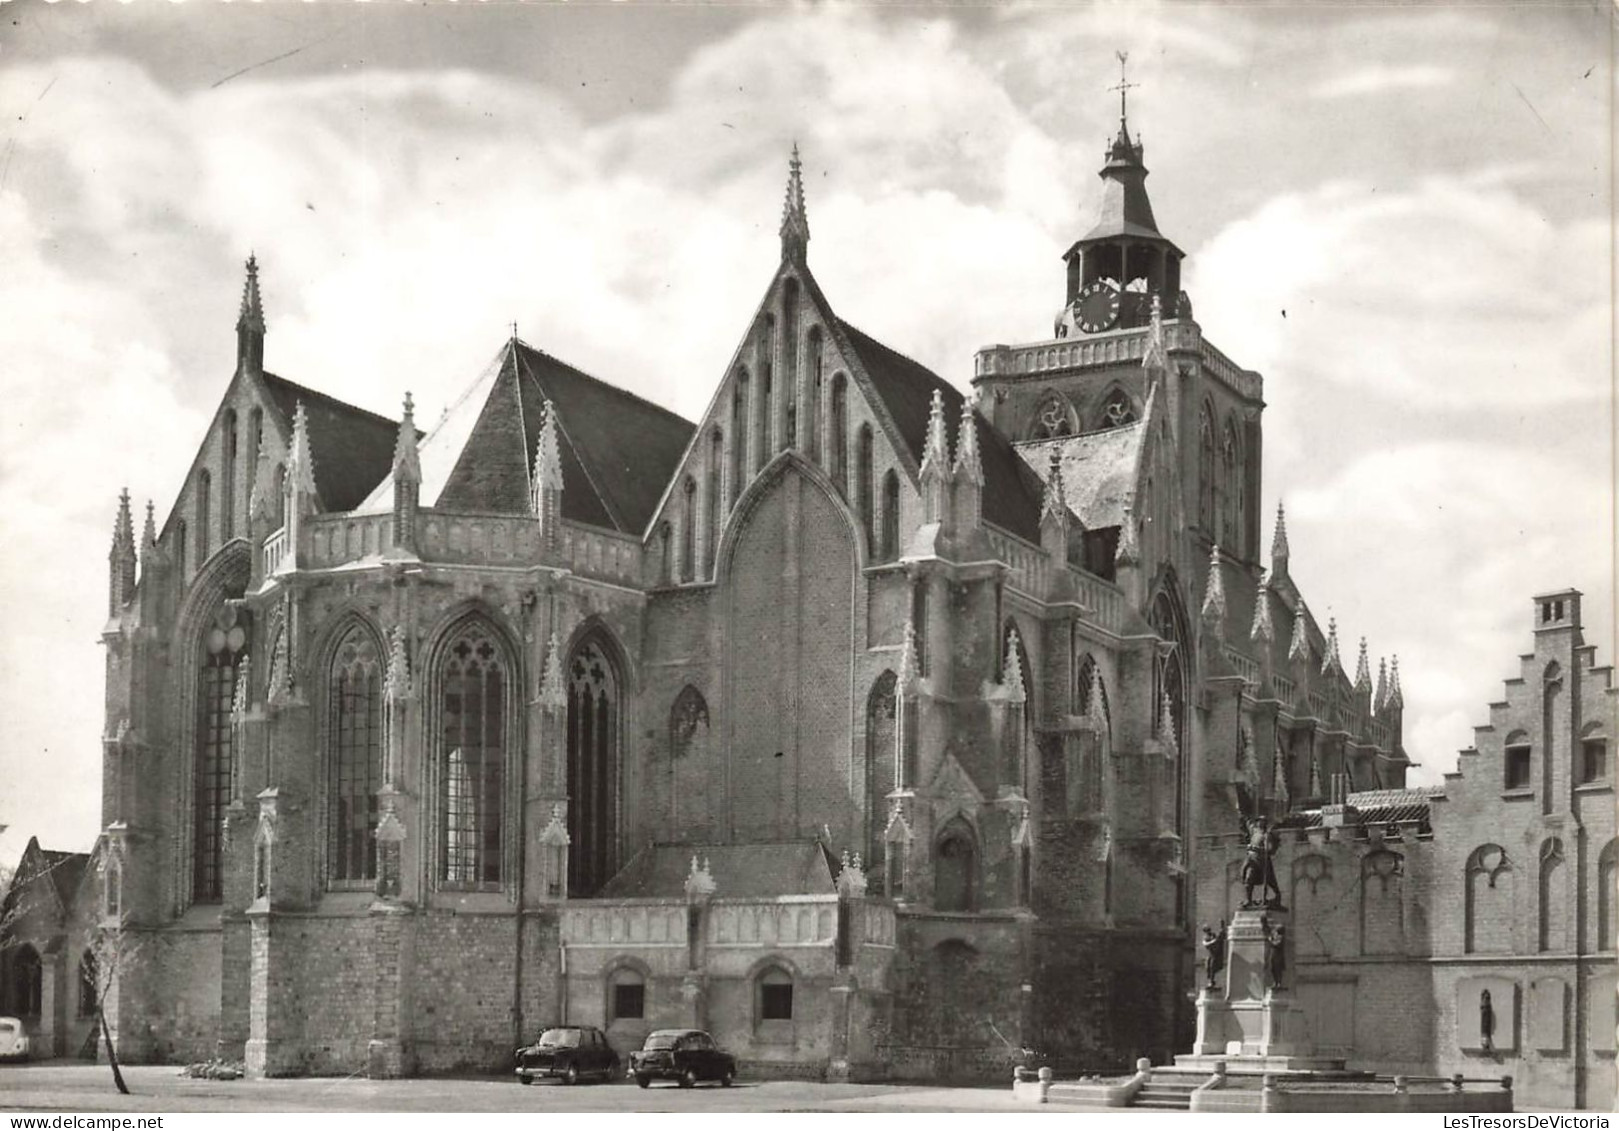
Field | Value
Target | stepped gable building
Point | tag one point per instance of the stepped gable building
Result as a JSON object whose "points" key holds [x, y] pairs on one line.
{"points": [[865, 724], [1413, 908]]}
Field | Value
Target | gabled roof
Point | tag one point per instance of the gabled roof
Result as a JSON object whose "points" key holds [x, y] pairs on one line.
{"points": [[65, 870], [353, 448], [617, 449], [1011, 492], [1098, 470]]}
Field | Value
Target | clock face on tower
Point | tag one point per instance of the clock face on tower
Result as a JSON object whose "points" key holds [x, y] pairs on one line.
{"points": [[1098, 306]]}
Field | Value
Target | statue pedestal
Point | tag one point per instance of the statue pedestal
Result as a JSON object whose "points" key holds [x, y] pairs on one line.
{"points": [[1247, 1020]]}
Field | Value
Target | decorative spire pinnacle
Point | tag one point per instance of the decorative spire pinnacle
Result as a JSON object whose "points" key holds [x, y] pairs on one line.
{"points": [[1096, 703], [936, 452], [1315, 774], [123, 529], [1129, 551], [149, 531], [1214, 591], [1363, 670], [251, 315], [1012, 679], [553, 694], [396, 682], [1332, 663], [1166, 727], [795, 233], [1278, 544], [1262, 629], [300, 462], [1298, 648], [1055, 503], [1380, 697], [969, 466], [1156, 356], [239, 694], [1279, 788], [547, 452], [910, 673], [1122, 147], [407, 461], [1396, 696]]}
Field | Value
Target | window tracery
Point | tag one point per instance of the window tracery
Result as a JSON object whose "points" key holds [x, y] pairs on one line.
{"points": [[473, 683], [354, 703]]}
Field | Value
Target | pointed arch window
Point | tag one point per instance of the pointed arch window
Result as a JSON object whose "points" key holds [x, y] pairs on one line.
{"points": [[1053, 418], [1206, 472], [224, 646], [229, 441], [1553, 898], [1231, 476], [739, 434], [1117, 409], [205, 486], [688, 531], [354, 732], [182, 545], [813, 378], [789, 362], [1607, 878], [666, 549], [27, 981], [279, 506], [474, 681], [716, 476], [767, 398], [594, 691], [839, 432], [890, 536], [863, 484], [255, 445]]}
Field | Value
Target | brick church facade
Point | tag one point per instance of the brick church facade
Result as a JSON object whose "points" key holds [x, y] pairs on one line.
{"points": [[870, 726]]}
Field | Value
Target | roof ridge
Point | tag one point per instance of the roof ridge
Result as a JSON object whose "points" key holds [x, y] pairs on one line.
{"points": [[849, 327], [604, 383], [327, 397]]}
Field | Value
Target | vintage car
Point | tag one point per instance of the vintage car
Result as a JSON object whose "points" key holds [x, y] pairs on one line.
{"points": [[683, 1055], [13, 1039], [569, 1053]]}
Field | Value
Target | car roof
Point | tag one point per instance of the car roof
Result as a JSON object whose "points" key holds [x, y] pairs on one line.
{"points": [[673, 1032]]}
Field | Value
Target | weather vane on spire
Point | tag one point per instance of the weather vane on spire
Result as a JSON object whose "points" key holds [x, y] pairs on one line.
{"points": [[1125, 85]]}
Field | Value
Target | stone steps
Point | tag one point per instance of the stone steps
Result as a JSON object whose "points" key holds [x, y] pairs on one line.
{"points": [[1166, 1095]]}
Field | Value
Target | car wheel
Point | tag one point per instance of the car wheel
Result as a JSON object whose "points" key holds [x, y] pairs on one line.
{"points": [[688, 1078], [573, 1074], [643, 1081], [525, 1080], [729, 1078]]}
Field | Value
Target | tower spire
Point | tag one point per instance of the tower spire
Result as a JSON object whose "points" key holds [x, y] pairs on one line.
{"points": [[795, 233], [121, 559], [1278, 544], [1124, 87], [250, 322]]}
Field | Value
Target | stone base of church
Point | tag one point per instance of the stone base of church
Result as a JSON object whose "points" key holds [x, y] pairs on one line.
{"points": [[1241, 1064]]}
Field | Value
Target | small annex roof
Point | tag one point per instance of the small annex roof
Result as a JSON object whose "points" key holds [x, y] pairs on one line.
{"points": [[1098, 470], [744, 871], [1011, 491], [353, 449], [618, 450]]}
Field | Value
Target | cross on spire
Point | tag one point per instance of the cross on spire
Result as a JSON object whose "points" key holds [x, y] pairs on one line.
{"points": [[1124, 85]]}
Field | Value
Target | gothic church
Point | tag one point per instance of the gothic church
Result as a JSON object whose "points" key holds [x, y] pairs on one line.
{"points": [[867, 725]]}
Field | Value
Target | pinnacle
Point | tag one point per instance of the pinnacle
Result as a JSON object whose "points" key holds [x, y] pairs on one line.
{"points": [[1363, 670], [968, 464], [1214, 593], [1381, 695], [1278, 542], [795, 233], [123, 526], [1262, 629], [149, 533], [1332, 661], [407, 462], [1298, 648], [251, 315], [1396, 696], [1055, 503], [936, 452], [301, 462], [1013, 678], [547, 451]]}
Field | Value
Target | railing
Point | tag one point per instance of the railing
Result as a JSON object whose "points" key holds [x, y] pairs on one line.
{"points": [[600, 553], [1285, 688], [658, 922], [1248, 669], [338, 538], [1110, 348], [275, 551], [789, 921], [1031, 573]]}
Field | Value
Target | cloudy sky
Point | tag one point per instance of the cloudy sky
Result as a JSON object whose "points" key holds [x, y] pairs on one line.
{"points": [[1401, 216]]}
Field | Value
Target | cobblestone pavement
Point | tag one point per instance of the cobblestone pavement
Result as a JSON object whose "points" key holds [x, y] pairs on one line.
{"points": [[87, 1087]]}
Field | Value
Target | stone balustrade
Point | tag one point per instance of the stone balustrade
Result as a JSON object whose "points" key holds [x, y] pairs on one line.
{"points": [[275, 551], [1031, 573], [338, 538], [1036, 358], [786, 921]]}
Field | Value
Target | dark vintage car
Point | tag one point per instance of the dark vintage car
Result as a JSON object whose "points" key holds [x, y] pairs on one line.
{"points": [[569, 1053], [684, 1055]]}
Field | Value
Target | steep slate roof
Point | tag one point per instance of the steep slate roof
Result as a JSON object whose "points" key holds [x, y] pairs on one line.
{"points": [[617, 449], [744, 871], [353, 449], [1011, 492], [1098, 470], [66, 871]]}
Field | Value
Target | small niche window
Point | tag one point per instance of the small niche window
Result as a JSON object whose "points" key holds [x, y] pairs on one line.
{"points": [[775, 995], [1516, 774], [1593, 760], [1117, 409], [627, 995]]}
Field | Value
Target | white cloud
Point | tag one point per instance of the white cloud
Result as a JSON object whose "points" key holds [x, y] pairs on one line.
{"points": [[1382, 79]]}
